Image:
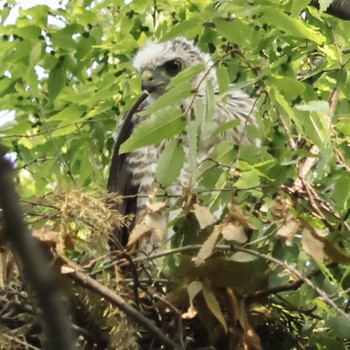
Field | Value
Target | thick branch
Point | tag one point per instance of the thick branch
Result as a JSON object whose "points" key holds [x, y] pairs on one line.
{"points": [[96, 287], [44, 283]]}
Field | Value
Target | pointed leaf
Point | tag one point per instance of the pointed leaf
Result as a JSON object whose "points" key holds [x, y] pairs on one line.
{"points": [[292, 26], [56, 81], [312, 245], [186, 76], [223, 79], [214, 305], [170, 163], [288, 231], [226, 126], [70, 114], [298, 6], [235, 233], [160, 126], [192, 134], [324, 4], [208, 246], [171, 97], [203, 215]]}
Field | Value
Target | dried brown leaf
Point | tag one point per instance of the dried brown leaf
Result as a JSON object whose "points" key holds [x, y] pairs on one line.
{"points": [[238, 216], [243, 257], [232, 232], [190, 313], [280, 207], [193, 289], [312, 245], [155, 207], [156, 222], [203, 215], [153, 225], [47, 236], [250, 340], [208, 246], [66, 269], [139, 232], [214, 305], [335, 253], [288, 230]]}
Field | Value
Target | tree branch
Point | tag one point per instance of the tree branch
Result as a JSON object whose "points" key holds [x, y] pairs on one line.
{"points": [[44, 282], [301, 278], [286, 287], [96, 287]]}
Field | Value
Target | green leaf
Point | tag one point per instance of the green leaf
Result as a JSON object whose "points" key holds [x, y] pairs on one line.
{"points": [[209, 104], [63, 38], [38, 14], [32, 81], [172, 96], [57, 80], [70, 114], [236, 31], [289, 87], [219, 197], [341, 194], [183, 27], [284, 108], [224, 153], [36, 53], [247, 180], [223, 79], [298, 6], [226, 126], [324, 4], [164, 124], [340, 326], [29, 32], [192, 134], [186, 76], [170, 163], [317, 128], [65, 130], [314, 106], [343, 124], [291, 26]]}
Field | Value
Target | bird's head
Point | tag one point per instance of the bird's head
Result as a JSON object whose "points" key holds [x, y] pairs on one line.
{"points": [[159, 62]]}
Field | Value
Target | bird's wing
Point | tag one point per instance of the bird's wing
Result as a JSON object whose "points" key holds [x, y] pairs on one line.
{"points": [[120, 173]]}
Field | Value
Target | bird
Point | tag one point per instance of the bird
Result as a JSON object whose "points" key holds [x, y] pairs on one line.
{"points": [[132, 175]]}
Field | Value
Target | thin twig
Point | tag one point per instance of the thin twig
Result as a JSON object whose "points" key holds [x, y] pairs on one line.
{"points": [[289, 286], [298, 274], [303, 279]]}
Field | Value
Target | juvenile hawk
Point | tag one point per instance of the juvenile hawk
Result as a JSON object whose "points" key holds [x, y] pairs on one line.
{"points": [[132, 175]]}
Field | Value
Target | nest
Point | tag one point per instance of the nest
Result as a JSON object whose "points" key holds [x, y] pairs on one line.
{"points": [[185, 300]]}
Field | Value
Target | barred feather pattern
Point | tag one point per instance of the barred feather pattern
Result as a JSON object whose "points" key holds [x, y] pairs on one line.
{"points": [[142, 163]]}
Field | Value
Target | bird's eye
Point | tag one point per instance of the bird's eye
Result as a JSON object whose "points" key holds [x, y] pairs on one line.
{"points": [[173, 67]]}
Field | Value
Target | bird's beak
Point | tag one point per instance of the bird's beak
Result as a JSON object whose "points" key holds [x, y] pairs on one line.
{"points": [[148, 82]]}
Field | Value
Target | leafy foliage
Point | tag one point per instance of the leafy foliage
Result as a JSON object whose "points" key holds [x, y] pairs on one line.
{"points": [[276, 261]]}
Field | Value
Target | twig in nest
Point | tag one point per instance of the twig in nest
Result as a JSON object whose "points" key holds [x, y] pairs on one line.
{"points": [[96, 287]]}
